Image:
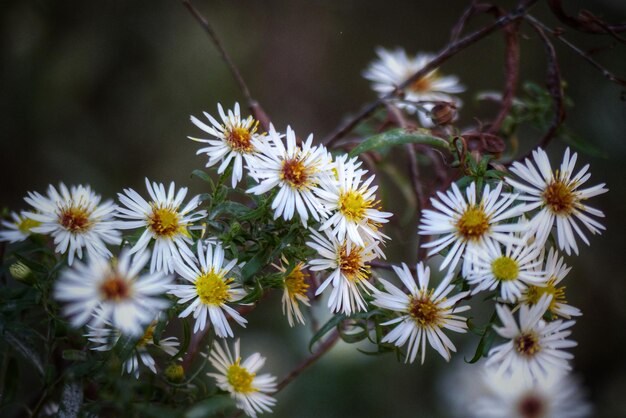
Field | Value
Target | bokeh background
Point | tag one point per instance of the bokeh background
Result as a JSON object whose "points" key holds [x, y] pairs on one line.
{"points": [[101, 93]]}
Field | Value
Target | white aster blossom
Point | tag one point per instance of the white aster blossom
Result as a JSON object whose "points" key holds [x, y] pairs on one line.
{"points": [[424, 312], [295, 289], [211, 289], [19, 229], [297, 171], [234, 141], [164, 221], [75, 219], [355, 214], [239, 377], [394, 67], [560, 198], [534, 347], [349, 274], [466, 223], [112, 291]]}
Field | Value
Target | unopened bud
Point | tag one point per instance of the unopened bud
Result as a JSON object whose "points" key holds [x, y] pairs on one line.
{"points": [[175, 373], [21, 272], [443, 113]]}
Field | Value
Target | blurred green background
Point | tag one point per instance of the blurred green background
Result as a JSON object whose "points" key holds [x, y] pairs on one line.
{"points": [[101, 93]]}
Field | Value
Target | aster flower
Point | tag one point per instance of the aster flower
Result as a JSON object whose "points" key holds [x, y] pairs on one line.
{"points": [[354, 209], [104, 338], [559, 197], [294, 291], [234, 140], [555, 272], [556, 396], [75, 219], [535, 347], [466, 222], [19, 229], [211, 291], [296, 170], [165, 222], [394, 67], [115, 292], [512, 270], [239, 378], [423, 312], [350, 272]]}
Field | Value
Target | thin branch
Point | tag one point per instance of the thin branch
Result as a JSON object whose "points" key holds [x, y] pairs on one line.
{"points": [[511, 69], [584, 23]]}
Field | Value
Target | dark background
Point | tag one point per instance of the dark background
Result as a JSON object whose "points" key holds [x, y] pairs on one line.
{"points": [[101, 93]]}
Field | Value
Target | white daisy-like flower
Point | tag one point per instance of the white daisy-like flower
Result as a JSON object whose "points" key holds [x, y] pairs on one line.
{"points": [[535, 347], [75, 219], [395, 67], [104, 338], [559, 197], [350, 272], [467, 222], [19, 229], [234, 140], [555, 271], [211, 291], [512, 270], [294, 291], [424, 312], [239, 378], [354, 209], [113, 291], [556, 396], [296, 170], [165, 222]]}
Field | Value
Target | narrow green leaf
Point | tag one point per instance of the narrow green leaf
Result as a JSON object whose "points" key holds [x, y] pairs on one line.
{"points": [[203, 176], [398, 137], [332, 323], [25, 347]]}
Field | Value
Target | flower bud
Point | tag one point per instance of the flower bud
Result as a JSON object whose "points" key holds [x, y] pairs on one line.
{"points": [[21, 272], [175, 373], [443, 113]]}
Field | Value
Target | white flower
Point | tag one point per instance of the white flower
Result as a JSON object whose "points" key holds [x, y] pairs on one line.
{"points": [[165, 222], [468, 223], [296, 170], [19, 229], [424, 312], [354, 209], [104, 337], [234, 140], [513, 270], [294, 291], [239, 377], [555, 272], [535, 346], [559, 198], [395, 67], [114, 291], [350, 272], [210, 290], [76, 219], [556, 396]]}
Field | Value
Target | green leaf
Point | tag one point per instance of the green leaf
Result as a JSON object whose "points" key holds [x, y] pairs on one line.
{"points": [[203, 176], [355, 337], [234, 209], [398, 137], [332, 323], [211, 406], [25, 347], [74, 355]]}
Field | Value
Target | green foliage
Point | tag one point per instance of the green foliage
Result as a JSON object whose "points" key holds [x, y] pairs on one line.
{"points": [[398, 136]]}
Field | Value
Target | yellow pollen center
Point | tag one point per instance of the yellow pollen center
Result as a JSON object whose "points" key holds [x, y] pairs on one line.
{"points": [[504, 268], [240, 139], [473, 224], [164, 222], [114, 288], [351, 264], [26, 224], [527, 344], [75, 219], [294, 173], [212, 289], [240, 378], [147, 337], [424, 84], [424, 311], [352, 205], [559, 198], [534, 293], [295, 282]]}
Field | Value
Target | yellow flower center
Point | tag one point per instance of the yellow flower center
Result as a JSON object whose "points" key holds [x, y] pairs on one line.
{"points": [[115, 288], [295, 282], [505, 268], [473, 224], [424, 311], [239, 138], [25, 225], [295, 173], [147, 337], [527, 344], [240, 378], [165, 222], [75, 219], [212, 289], [534, 293], [352, 205], [424, 84], [559, 198], [352, 265]]}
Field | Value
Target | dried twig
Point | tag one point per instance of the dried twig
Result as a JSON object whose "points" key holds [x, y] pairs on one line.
{"points": [[584, 23]]}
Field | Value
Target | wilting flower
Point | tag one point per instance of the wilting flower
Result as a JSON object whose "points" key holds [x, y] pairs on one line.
{"points": [[294, 291]]}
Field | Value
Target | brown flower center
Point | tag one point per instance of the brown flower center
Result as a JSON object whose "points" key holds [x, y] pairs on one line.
{"points": [[424, 84], [352, 265], [240, 139], [559, 198], [295, 173], [164, 222], [531, 406], [75, 219], [114, 288], [424, 311], [527, 344]]}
